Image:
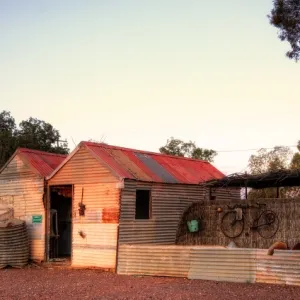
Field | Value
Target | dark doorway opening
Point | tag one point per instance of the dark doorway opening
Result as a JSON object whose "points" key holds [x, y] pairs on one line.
{"points": [[60, 222]]}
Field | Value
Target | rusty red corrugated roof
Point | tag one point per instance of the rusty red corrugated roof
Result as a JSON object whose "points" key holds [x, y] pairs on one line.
{"points": [[43, 162], [154, 167]]}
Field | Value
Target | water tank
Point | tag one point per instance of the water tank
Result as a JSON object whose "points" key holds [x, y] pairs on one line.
{"points": [[14, 246]]}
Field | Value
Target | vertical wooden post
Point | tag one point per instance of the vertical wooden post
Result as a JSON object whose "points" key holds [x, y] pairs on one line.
{"points": [[118, 231], [246, 186], [72, 222], [47, 233]]}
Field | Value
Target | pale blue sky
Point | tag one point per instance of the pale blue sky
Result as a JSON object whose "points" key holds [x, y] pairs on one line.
{"points": [[138, 72]]}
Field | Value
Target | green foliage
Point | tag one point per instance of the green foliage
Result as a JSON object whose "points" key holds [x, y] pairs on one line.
{"points": [[180, 148], [276, 159], [285, 16], [270, 161], [40, 135], [8, 139], [32, 133], [295, 163]]}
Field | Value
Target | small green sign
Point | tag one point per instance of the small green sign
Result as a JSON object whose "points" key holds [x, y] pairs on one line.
{"points": [[37, 219]]}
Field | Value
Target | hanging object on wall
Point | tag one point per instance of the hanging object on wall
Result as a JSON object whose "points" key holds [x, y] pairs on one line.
{"points": [[193, 225], [81, 209], [82, 234], [233, 221]]}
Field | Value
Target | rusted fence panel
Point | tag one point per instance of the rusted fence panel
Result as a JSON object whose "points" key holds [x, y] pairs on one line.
{"points": [[154, 260], [211, 263], [282, 268], [236, 265]]}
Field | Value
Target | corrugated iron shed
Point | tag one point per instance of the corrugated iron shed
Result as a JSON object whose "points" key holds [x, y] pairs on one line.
{"points": [[148, 166], [44, 163], [22, 190]]}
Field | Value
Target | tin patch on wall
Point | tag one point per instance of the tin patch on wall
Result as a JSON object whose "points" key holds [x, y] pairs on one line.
{"points": [[110, 215]]}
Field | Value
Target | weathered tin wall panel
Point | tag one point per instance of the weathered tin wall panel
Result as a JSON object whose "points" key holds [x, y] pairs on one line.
{"points": [[169, 201], [94, 235], [211, 263], [223, 194], [98, 248], [22, 190], [237, 265], [82, 168], [99, 225], [283, 267], [153, 260]]}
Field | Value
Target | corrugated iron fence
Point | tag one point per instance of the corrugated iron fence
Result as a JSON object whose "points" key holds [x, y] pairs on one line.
{"points": [[210, 263]]}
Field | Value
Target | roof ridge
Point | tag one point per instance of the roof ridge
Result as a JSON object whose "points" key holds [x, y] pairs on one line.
{"points": [[21, 149], [143, 151]]}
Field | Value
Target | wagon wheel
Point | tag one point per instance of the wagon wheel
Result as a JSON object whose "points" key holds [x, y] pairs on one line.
{"points": [[230, 226], [267, 224]]}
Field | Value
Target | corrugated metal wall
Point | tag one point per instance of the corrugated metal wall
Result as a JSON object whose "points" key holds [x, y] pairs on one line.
{"points": [[283, 267], [236, 265], [98, 247], [99, 225], [210, 263], [168, 204], [223, 194], [23, 190], [82, 168], [169, 201], [154, 260]]}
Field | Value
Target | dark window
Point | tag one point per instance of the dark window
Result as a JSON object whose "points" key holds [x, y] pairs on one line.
{"points": [[142, 204], [212, 194]]}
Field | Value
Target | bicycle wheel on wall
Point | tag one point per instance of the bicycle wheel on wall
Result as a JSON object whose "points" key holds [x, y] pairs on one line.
{"points": [[267, 224], [230, 226]]}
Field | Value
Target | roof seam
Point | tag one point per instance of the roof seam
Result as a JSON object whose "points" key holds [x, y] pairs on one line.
{"points": [[41, 152], [144, 152]]}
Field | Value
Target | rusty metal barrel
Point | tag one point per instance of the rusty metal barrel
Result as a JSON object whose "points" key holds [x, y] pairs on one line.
{"points": [[14, 246]]}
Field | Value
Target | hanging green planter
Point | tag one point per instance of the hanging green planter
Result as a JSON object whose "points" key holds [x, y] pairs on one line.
{"points": [[193, 225]]}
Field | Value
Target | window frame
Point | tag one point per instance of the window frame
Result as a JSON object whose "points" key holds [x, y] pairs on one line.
{"points": [[150, 204]]}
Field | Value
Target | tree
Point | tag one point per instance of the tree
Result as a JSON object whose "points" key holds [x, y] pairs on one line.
{"points": [[40, 135], [32, 133], [279, 158], [180, 148], [295, 163], [7, 136], [269, 161], [285, 16]]}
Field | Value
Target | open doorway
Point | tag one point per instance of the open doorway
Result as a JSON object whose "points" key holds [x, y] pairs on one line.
{"points": [[60, 222]]}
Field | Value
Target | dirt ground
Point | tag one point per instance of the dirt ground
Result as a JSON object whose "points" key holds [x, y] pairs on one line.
{"points": [[90, 284]]}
